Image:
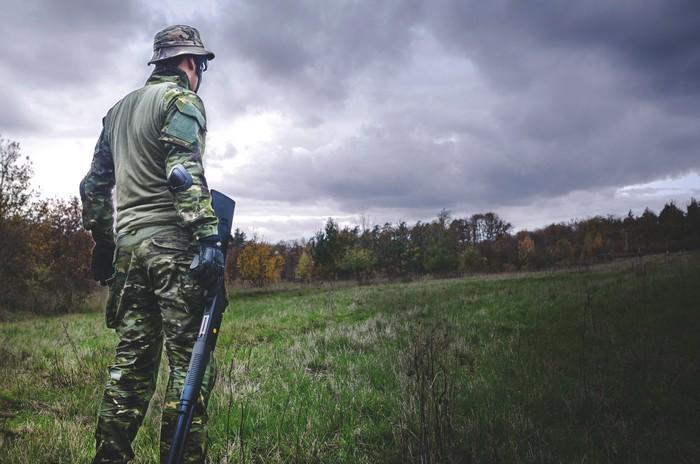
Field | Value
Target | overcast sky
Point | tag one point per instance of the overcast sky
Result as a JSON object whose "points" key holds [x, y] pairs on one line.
{"points": [[541, 111]]}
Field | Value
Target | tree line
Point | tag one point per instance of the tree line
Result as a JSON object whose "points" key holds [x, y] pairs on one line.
{"points": [[480, 243], [45, 253]]}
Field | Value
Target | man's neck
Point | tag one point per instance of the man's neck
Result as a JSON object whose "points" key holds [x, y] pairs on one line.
{"points": [[169, 74]]}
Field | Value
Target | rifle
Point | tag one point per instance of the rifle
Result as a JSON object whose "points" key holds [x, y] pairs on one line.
{"points": [[206, 338]]}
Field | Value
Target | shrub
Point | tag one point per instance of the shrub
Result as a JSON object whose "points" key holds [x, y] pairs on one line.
{"points": [[358, 261]]}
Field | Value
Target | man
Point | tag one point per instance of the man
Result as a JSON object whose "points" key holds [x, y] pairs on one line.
{"points": [[150, 151]]}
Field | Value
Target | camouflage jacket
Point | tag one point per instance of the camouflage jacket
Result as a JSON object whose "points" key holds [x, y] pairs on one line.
{"points": [[144, 135]]}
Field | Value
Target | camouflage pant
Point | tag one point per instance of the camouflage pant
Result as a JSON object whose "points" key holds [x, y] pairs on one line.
{"points": [[152, 302]]}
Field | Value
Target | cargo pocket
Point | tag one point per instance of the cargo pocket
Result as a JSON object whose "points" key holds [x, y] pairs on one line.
{"points": [[172, 242], [114, 309], [180, 250]]}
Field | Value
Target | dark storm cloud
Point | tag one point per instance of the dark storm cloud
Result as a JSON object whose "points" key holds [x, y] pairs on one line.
{"points": [[592, 88], [318, 47], [580, 96]]}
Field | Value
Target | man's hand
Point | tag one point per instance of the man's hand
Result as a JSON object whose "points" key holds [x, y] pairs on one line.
{"points": [[102, 267], [208, 266]]}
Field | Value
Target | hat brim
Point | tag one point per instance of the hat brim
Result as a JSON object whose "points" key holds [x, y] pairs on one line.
{"points": [[170, 52]]}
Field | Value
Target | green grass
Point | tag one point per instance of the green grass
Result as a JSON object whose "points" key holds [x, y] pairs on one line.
{"points": [[597, 365]]}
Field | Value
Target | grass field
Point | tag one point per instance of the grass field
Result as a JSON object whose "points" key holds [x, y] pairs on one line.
{"points": [[595, 365]]}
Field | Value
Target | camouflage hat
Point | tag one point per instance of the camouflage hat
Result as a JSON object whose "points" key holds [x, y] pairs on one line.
{"points": [[178, 40]]}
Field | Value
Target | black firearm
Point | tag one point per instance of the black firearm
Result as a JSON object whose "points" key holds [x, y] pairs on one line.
{"points": [[206, 338]]}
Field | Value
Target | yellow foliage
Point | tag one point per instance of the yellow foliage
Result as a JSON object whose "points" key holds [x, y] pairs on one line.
{"points": [[305, 268], [526, 248], [259, 265]]}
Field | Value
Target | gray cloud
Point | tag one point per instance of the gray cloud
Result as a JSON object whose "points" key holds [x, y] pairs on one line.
{"points": [[15, 117], [63, 44], [318, 47], [401, 106], [655, 38]]}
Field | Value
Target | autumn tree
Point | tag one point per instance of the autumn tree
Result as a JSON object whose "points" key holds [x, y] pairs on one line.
{"points": [[592, 246], [259, 264], [64, 249], [526, 250], [305, 268]]}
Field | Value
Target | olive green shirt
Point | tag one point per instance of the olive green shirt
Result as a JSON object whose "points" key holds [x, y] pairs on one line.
{"points": [[144, 135]]}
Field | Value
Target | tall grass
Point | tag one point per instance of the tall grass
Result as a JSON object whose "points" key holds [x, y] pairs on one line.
{"points": [[596, 365]]}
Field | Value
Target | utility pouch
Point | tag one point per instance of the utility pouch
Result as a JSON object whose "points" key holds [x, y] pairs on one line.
{"points": [[114, 309]]}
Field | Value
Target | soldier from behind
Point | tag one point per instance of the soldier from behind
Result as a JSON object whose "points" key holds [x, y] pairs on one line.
{"points": [[150, 153]]}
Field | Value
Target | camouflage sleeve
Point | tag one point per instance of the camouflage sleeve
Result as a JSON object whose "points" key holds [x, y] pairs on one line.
{"points": [[183, 135], [96, 193]]}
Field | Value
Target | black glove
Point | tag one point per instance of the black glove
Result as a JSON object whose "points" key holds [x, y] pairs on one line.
{"points": [[208, 266], [101, 266]]}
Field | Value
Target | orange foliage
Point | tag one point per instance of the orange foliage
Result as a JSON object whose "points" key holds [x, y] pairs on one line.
{"points": [[526, 249], [259, 265]]}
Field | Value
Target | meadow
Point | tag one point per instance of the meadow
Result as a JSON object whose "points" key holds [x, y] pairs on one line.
{"points": [[598, 364]]}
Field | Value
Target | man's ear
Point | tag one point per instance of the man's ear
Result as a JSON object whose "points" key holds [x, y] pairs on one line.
{"points": [[191, 63]]}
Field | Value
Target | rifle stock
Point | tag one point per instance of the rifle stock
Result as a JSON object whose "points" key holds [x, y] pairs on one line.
{"points": [[206, 337]]}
